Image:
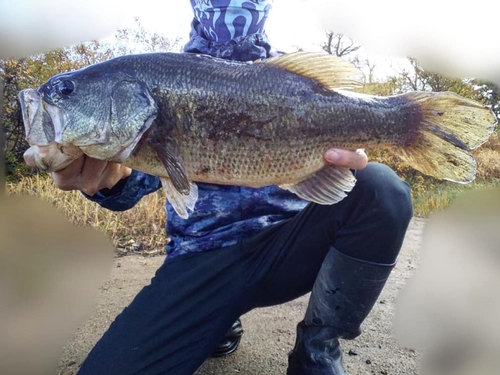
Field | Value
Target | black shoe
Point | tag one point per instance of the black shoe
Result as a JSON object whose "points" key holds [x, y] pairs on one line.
{"points": [[230, 342]]}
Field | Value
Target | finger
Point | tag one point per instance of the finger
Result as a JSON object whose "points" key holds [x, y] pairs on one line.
{"points": [[346, 158], [68, 178], [112, 174], [93, 169], [91, 175]]}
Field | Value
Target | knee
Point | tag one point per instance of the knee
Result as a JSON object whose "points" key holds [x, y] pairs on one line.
{"points": [[380, 188]]}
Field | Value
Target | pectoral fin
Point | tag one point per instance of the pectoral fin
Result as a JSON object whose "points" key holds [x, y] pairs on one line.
{"points": [[329, 185], [174, 168], [180, 202]]}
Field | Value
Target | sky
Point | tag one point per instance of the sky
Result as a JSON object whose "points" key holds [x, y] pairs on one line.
{"points": [[453, 38], [292, 24], [174, 19], [25, 24], [458, 40]]}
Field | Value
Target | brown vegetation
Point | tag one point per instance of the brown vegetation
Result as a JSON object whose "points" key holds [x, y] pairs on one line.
{"points": [[488, 159], [138, 230]]}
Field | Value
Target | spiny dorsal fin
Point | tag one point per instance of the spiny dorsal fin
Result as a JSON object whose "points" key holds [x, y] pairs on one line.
{"points": [[331, 71]]}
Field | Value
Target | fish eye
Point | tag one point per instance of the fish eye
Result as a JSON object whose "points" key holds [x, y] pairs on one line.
{"points": [[65, 87]]}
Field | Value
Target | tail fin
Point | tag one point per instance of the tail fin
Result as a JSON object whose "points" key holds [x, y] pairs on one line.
{"points": [[451, 126]]}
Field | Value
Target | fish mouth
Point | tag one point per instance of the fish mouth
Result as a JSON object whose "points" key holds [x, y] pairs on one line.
{"points": [[43, 129], [42, 121]]}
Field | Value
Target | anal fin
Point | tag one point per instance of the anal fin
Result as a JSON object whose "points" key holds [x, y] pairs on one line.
{"points": [[327, 186], [180, 202]]}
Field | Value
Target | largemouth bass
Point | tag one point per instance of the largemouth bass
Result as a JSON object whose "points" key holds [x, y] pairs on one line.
{"points": [[189, 118]]}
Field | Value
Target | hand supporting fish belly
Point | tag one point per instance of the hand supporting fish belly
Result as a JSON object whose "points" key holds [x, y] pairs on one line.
{"points": [[188, 118]]}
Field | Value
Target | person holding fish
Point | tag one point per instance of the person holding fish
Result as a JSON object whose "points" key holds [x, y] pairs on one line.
{"points": [[261, 209], [243, 247]]}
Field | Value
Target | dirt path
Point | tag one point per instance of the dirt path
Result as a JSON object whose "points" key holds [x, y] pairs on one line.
{"points": [[269, 332]]}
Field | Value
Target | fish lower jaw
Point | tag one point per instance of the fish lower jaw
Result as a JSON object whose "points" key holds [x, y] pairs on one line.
{"points": [[51, 158]]}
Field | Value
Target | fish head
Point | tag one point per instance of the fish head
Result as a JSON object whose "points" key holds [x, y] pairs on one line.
{"points": [[103, 114]]}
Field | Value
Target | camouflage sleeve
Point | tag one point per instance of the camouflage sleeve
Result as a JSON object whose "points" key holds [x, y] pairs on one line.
{"points": [[230, 29], [127, 192]]}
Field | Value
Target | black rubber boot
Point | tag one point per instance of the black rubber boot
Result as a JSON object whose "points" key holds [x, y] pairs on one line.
{"points": [[230, 342], [342, 297]]}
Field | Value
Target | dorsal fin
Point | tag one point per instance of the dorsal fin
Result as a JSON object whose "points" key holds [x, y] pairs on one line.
{"points": [[331, 71]]}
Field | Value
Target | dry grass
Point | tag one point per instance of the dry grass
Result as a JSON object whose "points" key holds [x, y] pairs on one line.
{"points": [[442, 194], [430, 195], [139, 230], [488, 158]]}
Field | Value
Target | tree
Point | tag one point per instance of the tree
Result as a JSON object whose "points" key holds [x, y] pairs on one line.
{"points": [[416, 78], [488, 93], [139, 39], [339, 45], [342, 46], [13, 73]]}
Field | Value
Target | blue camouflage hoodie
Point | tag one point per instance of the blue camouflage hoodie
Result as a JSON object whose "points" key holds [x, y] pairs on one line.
{"points": [[223, 215]]}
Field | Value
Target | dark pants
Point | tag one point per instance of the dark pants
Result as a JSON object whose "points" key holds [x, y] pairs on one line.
{"points": [[173, 324]]}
